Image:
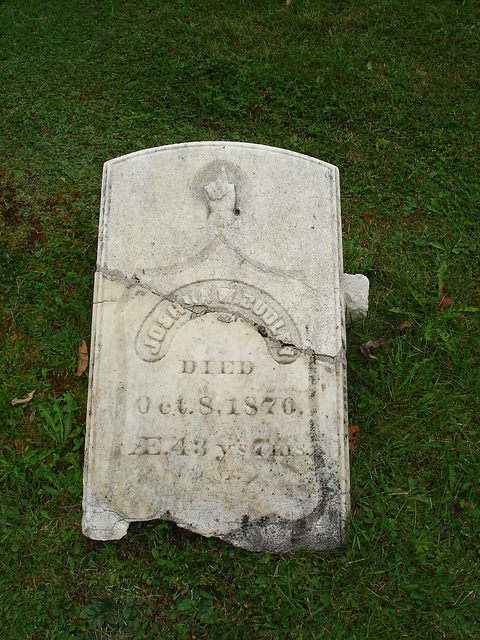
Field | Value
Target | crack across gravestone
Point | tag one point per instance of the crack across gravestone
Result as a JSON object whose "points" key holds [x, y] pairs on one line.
{"points": [[198, 310]]}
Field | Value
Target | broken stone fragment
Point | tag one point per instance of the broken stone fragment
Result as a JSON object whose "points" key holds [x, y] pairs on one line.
{"points": [[355, 291]]}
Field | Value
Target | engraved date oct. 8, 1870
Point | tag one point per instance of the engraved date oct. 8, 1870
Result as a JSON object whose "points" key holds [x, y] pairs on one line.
{"points": [[208, 406]]}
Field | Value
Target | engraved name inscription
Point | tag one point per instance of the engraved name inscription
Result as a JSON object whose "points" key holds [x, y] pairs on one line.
{"points": [[158, 330], [237, 297], [161, 324], [233, 299]]}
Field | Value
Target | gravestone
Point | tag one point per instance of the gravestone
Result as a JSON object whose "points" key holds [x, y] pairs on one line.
{"points": [[217, 395]]}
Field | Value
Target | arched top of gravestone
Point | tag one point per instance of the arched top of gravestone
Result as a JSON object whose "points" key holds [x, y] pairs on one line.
{"points": [[200, 211], [162, 207]]}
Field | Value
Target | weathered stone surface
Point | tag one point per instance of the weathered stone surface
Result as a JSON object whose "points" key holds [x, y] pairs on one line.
{"points": [[217, 386]]}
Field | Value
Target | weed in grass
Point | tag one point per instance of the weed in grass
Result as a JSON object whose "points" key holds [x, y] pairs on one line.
{"points": [[58, 417]]}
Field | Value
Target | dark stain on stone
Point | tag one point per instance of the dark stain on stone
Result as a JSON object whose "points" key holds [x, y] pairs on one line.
{"points": [[261, 330], [277, 534]]}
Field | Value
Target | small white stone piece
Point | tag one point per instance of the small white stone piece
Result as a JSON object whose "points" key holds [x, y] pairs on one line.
{"points": [[217, 394], [355, 291]]}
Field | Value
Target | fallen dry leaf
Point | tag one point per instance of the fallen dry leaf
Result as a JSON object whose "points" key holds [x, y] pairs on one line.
{"points": [[408, 324], [82, 362], [23, 400], [352, 437], [288, 2], [444, 301], [371, 344]]}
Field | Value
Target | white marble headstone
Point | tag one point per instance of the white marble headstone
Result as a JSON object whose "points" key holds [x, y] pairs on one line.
{"points": [[217, 392]]}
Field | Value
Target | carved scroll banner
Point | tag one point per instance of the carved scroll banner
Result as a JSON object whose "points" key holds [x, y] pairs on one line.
{"points": [[217, 381]]}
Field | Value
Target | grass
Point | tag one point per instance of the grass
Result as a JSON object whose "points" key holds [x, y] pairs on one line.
{"points": [[388, 91]]}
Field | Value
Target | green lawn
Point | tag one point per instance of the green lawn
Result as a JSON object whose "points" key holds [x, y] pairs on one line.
{"points": [[387, 90]]}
